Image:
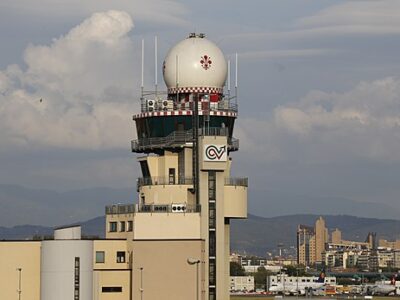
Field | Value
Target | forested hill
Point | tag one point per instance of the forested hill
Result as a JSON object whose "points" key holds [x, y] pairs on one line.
{"points": [[255, 235]]}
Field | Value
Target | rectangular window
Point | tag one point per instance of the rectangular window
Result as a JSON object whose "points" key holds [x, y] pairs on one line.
{"points": [[213, 271], [120, 256], [211, 215], [113, 227], [100, 257], [171, 176], [211, 243], [145, 169], [181, 167], [111, 289], [211, 185], [122, 226], [77, 278], [212, 294], [130, 225]]}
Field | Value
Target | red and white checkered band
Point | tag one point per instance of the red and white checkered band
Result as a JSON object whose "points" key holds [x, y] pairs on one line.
{"points": [[211, 90], [184, 113]]}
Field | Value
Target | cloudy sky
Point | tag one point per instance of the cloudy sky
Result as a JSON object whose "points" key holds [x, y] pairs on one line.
{"points": [[319, 92]]}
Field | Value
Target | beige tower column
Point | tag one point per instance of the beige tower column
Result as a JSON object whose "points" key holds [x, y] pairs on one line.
{"points": [[321, 238], [209, 197]]}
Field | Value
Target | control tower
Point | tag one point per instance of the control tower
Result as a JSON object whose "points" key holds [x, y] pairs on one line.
{"points": [[186, 194]]}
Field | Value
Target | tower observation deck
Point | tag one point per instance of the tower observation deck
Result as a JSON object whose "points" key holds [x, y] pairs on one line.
{"points": [[195, 72], [186, 194]]}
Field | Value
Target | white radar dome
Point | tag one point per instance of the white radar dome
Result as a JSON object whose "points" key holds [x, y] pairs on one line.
{"points": [[195, 65]]}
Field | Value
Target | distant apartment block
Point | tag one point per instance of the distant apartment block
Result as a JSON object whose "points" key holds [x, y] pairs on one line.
{"points": [[311, 242], [305, 245], [395, 245], [314, 247]]}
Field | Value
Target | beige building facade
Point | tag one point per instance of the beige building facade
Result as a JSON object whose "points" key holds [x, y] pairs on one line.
{"points": [[336, 236], [389, 244], [311, 242], [20, 269], [305, 245], [321, 238]]}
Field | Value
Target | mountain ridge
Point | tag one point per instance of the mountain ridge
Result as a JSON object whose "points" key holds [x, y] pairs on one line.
{"points": [[19, 204], [255, 235]]}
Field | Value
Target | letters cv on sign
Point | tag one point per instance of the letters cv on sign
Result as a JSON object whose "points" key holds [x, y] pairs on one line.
{"points": [[215, 153]]}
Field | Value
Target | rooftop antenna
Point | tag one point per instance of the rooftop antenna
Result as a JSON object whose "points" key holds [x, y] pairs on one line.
{"points": [[155, 64], [142, 86], [177, 78], [236, 77], [229, 78]]}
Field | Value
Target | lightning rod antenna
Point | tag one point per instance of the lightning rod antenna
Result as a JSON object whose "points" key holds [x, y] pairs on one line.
{"points": [[177, 78], [155, 64], [229, 78], [236, 77], [142, 86]]}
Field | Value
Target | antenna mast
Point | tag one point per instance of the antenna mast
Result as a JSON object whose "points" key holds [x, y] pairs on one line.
{"points": [[142, 86], [236, 78], [155, 64], [229, 78], [177, 78]]}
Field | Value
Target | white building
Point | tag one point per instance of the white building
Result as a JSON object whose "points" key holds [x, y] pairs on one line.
{"points": [[242, 283]]}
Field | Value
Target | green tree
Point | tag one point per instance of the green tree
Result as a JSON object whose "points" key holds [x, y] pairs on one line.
{"points": [[260, 278], [295, 270], [236, 269]]}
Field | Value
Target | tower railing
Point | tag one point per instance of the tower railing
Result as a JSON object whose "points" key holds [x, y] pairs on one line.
{"points": [[146, 181], [119, 209], [237, 181], [159, 104], [150, 181], [178, 138], [168, 208]]}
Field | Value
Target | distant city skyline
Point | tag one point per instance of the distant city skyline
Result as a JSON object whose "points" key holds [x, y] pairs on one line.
{"points": [[319, 96]]}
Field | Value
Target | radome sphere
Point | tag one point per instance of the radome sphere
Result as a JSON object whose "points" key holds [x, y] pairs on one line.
{"points": [[201, 66]]}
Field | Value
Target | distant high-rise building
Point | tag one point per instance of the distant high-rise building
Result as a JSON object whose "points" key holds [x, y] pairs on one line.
{"points": [[321, 238], [305, 245], [371, 240], [311, 242], [336, 236]]}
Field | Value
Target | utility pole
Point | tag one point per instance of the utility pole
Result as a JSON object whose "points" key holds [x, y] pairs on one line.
{"points": [[194, 261], [141, 283], [19, 291], [297, 281]]}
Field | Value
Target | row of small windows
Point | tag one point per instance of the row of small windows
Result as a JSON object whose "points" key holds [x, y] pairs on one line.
{"points": [[123, 226], [101, 257]]}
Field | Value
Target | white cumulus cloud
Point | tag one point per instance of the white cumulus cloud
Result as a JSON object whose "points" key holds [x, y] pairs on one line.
{"points": [[77, 92], [362, 123]]}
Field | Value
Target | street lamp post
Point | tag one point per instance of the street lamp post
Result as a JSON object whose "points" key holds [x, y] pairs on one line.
{"points": [[19, 291], [194, 261], [141, 283]]}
